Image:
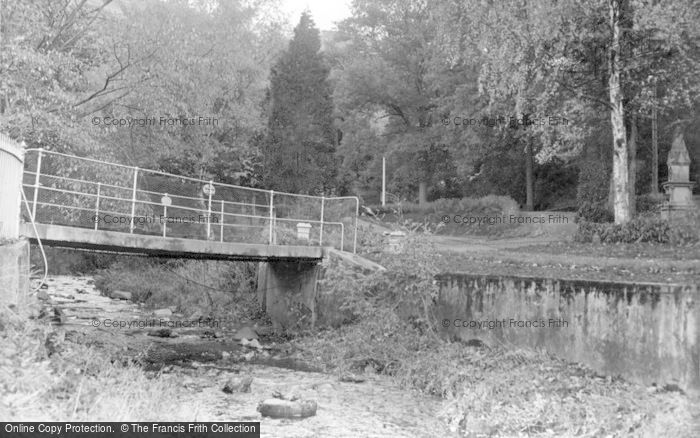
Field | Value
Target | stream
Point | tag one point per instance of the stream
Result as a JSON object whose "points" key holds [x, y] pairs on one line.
{"points": [[200, 360]]}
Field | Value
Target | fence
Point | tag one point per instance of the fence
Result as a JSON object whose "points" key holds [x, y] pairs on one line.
{"points": [[81, 192], [11, 165]]}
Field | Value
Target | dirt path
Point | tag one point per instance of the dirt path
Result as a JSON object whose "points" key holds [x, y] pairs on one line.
{"points": [[200, 368]]}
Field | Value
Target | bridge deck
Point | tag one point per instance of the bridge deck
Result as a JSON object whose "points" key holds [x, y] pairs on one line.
{"points": [[114, 241]]}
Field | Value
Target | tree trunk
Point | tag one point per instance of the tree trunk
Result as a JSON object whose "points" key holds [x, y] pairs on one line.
{"points": [[654, 148], [529, 178], [621, 204], [632, 145], [422, 193]]}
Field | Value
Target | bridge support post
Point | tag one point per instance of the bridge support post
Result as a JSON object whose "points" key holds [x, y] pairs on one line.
{"points": [[287, 293]]}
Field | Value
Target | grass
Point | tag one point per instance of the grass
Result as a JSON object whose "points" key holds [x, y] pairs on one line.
{"points": [[619, 250], [76, 383], [502, 392]]}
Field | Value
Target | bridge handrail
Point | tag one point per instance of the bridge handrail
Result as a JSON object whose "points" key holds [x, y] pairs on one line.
{"points": [[209, 211], [179, 207], [129, 189]]}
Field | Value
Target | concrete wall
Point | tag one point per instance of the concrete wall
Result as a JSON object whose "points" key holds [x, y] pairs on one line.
{"points": [[287, 291], [14, 273], [11, 169], [647, 333]]}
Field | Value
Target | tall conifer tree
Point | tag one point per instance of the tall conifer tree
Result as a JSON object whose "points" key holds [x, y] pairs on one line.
{"points": [[299, 153]]}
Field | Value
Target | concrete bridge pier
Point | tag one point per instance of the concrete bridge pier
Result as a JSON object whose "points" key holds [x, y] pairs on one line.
{"points": [[287, 293]]}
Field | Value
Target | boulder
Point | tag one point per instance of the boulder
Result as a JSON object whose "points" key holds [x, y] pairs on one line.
{"points": [[210, 334], [42, 295], [352, 378], [278, 408], [237, 385], [252, 344], [245, 333], [162, 333], [120, 295]]}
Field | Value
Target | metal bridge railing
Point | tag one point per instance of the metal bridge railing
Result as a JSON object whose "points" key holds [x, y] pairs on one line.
{"points": [[82, 192]]}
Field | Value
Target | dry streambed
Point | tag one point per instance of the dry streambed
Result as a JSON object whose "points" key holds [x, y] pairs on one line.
{"points": [[201, 360]]}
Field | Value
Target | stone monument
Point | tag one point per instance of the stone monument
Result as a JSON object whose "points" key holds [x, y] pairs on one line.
{"points": [[679, 188]]}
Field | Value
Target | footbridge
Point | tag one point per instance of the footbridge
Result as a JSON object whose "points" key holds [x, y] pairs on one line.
{"points": [[63, 200], [85, 203]]}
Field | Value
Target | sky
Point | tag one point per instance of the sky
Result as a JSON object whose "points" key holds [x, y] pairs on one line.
{"points": [[324, 12]]}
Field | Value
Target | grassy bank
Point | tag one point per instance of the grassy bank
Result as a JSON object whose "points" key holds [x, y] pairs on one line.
{"points": [[45, 378], [487, 390]]}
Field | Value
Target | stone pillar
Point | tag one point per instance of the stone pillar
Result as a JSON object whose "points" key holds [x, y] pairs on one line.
{"points": [[11, 171], [678, 187], [287, 293]]}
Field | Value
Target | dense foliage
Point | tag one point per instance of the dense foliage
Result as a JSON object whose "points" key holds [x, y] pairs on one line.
{"points": [[121, 80], [645, 228]]}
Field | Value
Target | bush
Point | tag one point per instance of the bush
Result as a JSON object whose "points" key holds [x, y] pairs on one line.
{"points": [[596, 212], [428, 217], [487, 205], [407, 286], [646, 228], [592, 195], [388, 316], [592, 172], [649, 202]]}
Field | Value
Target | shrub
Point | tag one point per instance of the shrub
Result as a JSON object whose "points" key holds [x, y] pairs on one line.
{"points": [[407, 286], [487, 205], [79, 381], [645, 228], [650, 202], [596, 212], [591, 195], [591, 173]]}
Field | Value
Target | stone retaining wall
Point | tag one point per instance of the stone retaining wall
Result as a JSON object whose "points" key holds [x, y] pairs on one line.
{"points": [[645, 332], [14, 273]]}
